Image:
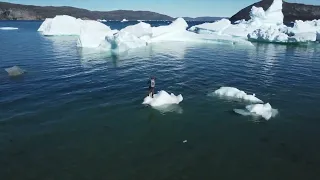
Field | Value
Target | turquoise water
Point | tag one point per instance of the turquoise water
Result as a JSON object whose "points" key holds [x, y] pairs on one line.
{"points": [[77, 113]]}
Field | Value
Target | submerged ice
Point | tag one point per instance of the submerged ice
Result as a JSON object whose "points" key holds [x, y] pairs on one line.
{"points": [[232, 92], [162, 98], [14, 71]]}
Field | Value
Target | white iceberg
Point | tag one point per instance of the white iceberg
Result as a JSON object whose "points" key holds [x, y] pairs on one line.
{"points": [[271, 17], [268, 34], [274, 14], [265, 26], [263, 110], [101, 20], [218, 26], [61, 25], [45, 25], [68, 25], [139, 30], [303, 37], [305, 27], [274, 34], [124, 20], [9, 28], [232, 92], [190, 37], [15, 71], [179, 25], [93, 33], [162, 98], [124, 41]]}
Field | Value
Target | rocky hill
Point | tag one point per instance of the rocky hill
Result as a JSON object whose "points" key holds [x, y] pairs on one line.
{"points": [[9, 11], [291, 11]]}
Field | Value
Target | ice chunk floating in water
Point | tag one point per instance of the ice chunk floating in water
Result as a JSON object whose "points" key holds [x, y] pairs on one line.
{"points": [[93, 33], [232, 92], [263, 110], [68, 25], [8, 28], [15, 71], [162, 98]]}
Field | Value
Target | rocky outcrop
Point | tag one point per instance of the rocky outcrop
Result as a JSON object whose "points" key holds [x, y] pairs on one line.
{"points": [[291, 11], [9, 11]]}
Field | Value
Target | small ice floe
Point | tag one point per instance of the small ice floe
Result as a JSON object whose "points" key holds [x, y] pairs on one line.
{"points": [[235, 93], [9, 28], [262, 110]]}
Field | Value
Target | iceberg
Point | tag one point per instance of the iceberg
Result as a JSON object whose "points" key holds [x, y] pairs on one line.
{"points": [[264, 26], [235, 93], [162, 98], [45, 25], [124, 41], [258, 17], [61, 25], [303, 37], [179, 25], [124, 20], [274, 34], [68, 25], [218, 26], [268, 34], [101, 20], [263, 110], [139, 30], [93, 33], [305, 26], [9, 28], [15, 71]]}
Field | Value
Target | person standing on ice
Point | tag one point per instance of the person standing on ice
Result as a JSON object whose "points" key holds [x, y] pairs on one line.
{"points": [[152, 85]]}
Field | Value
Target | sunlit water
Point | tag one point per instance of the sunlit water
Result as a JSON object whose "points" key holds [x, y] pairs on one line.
{"points": [[77, 113]]}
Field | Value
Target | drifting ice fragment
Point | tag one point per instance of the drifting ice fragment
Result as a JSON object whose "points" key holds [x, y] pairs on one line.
{"points": [[162, 98], [237, 94], [263, 110], [8, 28]]}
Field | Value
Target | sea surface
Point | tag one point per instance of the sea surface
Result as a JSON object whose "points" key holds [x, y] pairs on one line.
{"points": [[78, 113]]}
